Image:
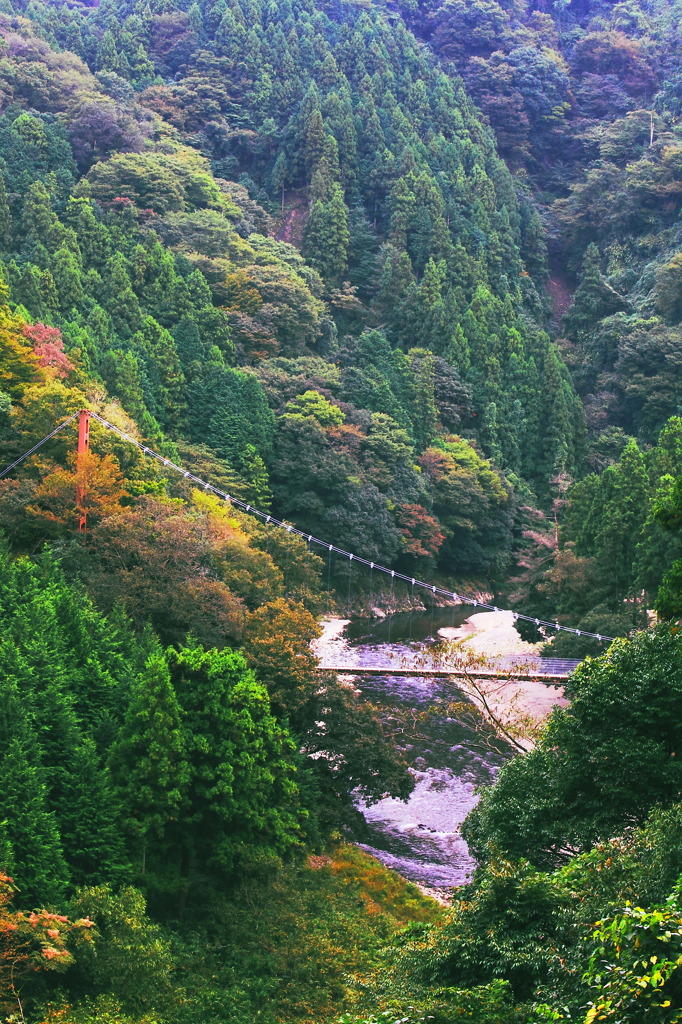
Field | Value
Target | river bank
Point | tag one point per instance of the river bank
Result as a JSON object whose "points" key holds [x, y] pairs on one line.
{"points": [[381, 602], [452, 751], [522, 706]]}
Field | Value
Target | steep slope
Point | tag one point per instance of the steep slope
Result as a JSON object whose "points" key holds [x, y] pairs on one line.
{"points": [[585, 102], [411, 308]]}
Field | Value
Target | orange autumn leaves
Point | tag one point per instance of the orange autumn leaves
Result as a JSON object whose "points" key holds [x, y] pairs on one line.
{"points": [[98, 482], [31, 942]]}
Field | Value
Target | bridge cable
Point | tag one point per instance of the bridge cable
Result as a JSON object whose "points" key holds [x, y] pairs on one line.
{"points": [[35, 447], [391, 612], [272, 520], [411, 607]]}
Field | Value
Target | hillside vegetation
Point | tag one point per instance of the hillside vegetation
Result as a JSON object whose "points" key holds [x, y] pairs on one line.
{"points": [[408, 276]]}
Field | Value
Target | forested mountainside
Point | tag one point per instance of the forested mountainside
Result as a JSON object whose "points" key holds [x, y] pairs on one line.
{"points": [[134, 225], [585, 102], [413, 300], [408, 276]]}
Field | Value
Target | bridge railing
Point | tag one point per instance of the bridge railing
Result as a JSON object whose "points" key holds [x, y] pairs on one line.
{"points": [[522, 665], [547, 666]]}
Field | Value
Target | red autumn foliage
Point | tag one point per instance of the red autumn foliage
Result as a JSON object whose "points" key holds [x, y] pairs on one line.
{"points": [[421, 532], [48, 347]]}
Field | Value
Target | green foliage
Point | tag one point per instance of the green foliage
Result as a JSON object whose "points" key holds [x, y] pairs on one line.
{"points": [[669, 289], [297, 945], [89, 819], [171, 180], [326, 237], [583, 104], [64, 675], [129, 959], [34, 840], [668, 512], [613, 518], [314, 405], [392, 388], [513, 927], [101, 1010], [148, 759], [596, 939], [602, 763], [158, 270], [347, 747], [471, 501], [593, 300], [668, 600], [634, 964], [231, 412], [484, 1004], [241, 804]]}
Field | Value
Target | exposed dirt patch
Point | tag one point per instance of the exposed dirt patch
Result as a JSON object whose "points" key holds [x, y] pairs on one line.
{"points": [[289, 224], [560, 293], [317, 863]]}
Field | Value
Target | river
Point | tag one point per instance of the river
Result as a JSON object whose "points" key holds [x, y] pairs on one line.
{"points": [[420, 838]]}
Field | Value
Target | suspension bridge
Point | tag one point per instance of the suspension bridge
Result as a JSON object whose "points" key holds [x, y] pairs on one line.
{"points": [[549, 670], [552, 671]]}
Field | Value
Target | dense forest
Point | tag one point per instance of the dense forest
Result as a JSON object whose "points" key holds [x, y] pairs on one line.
{"points": [[407, 275]]}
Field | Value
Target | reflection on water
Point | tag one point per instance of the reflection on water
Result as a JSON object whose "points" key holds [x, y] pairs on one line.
{"points": [[406, 627], [420, 838]]}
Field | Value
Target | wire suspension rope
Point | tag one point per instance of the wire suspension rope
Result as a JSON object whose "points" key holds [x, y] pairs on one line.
{"points": [[411, 608], [392, 606], [273, 521], [48, 437], [270, 519]]}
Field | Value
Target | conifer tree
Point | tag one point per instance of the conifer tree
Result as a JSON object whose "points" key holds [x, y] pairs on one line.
{"points": [[433, 329], [165, 394], [196, 20], [118, 297], [326, 238], [141, 67], [121, 371], [39, 222], [89, 819], [66, 274], [254, 473], [5, 218], [93, 237], [425, 414], [313, 131], [107, 53], [148, 760], [229, 36], [242, 800], [40, 868], [395, 286], [326, 173], [623, 499], [561, 420], [594, 299]]}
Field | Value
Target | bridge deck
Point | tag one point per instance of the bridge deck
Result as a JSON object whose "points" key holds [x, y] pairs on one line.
{"points": [[522, 675]]}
